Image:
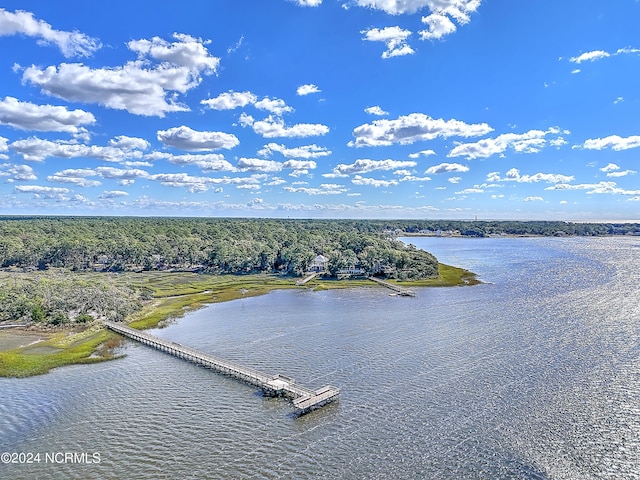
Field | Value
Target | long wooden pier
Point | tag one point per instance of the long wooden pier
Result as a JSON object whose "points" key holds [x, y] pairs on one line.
{"points": [[303, 399], [405, 292]]}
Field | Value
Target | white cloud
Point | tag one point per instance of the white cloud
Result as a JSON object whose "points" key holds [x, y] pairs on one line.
{"points": [[308, 3], [184, 138], [447, 168], [412, 178], [121, 174], [376, 110], [124, 142], [533, 199], [622, 173], [324, 189], [616, 143], [37, 189], [365, 165], [36, 150], [306, 151], [258, 165], [113, 194], [76, 177], [513, 175], [530, 142], [455, 179], [468, 191], [20, 173], [43, 118], [422, 153], [610, 168], [438, 25], [594, 55], [132, 87], [71, 44], [372, 182], [209, 162], [187, 51], [590, 56], [300, 167], [272, 127], [459, 9], [412, 128], [307, 89], [230, 100], [273, 105], [394, 38], [595, 188]]}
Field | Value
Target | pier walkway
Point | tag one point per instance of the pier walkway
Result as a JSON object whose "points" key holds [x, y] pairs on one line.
{"points": [[405, 292], [310, 277], [304, 399]]}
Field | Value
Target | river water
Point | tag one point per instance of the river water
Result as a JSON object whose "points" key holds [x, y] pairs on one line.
{"points": [[533, 375]]}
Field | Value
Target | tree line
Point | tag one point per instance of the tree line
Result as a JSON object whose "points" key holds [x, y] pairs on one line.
{"points": [[220, 245]]}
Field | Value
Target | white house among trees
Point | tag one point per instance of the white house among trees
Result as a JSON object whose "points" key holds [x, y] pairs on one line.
{"points": [[319, 264]]}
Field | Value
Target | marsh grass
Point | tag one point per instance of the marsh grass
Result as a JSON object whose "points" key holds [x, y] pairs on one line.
{"points": [[172, 294]]}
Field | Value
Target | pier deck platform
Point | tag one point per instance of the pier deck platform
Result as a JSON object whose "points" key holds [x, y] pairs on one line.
{"points": [[303, 399]]}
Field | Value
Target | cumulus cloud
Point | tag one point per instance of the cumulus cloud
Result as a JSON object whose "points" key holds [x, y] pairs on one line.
{"points": [[459, 9], [412, 128], [513, 175], [37, 189], [366, 165], [20, 173], [530, 142], [134, 87], [185, 138], [258, 165], [422, 153], [273, 127], [124, 142], [306, 151], [71, 44], [299, 167], [113, 194], [308, 3], [533, 199], [202, 184], [447, 168], [376, 110], [43, 118], [614, 142], [595, 188], [323, 189], [273, 105], [613, 170], [439, 22], [307, 89], [209, 162], [394, 38], [594, 55], [438, 25], [230, 100], [76, 177], [36, 150], [372, 182]]}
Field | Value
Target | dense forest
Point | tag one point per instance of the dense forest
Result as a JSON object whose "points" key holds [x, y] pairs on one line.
{"points": [[207, 245]]}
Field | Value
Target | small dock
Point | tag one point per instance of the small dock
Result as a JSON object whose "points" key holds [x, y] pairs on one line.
{"points": [[303, 399], [307, 279], [404, 292]]}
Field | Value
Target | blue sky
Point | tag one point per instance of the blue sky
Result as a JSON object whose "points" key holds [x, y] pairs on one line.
{"points": [[321, 108]]}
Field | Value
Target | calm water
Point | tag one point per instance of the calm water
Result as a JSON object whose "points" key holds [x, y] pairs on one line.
{"points": [[533, 375]]}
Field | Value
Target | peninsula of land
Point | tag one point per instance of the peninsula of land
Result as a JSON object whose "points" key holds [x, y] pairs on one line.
{"points": [[60, 277]]}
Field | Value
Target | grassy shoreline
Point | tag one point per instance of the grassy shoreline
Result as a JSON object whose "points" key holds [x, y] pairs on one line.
{"points": [[174, 294]]}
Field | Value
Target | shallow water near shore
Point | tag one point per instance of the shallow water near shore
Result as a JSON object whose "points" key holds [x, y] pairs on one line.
{"points": [[534, 375]]}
